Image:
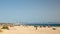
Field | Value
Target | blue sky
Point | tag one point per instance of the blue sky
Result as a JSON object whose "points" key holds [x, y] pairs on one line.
{"points": [[29, 11]]}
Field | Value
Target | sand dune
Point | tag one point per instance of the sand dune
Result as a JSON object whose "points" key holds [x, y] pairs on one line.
{"points": [[31, 30]]}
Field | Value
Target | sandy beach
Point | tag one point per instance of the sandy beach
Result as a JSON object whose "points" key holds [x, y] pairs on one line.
{"points": [[31, 30]]}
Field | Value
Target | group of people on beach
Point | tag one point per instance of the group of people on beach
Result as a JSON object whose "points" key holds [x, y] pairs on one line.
{"points": [[44, 26]]}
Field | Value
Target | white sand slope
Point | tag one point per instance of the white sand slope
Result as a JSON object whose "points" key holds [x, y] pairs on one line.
{"points": [[31, 30]]}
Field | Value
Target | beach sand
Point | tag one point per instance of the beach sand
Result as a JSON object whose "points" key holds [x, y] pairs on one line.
{"points": [[31, 30]]}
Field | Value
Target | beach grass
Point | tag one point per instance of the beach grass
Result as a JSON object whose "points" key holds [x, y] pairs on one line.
{"points": [[5, 27]]}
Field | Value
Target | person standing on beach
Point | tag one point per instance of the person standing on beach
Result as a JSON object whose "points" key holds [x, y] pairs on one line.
{"points": [[35, 27]]}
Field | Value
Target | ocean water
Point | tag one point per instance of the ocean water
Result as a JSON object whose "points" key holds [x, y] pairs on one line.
{"points": [[43, 24]]}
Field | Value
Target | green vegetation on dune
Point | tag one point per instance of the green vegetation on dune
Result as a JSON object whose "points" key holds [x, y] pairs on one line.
{"points": [[5, 27]]}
